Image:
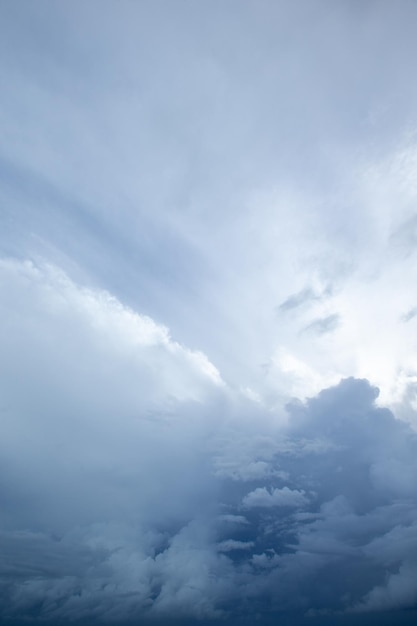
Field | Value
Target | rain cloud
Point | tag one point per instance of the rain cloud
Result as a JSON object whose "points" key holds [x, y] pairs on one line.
{"points": [[129, 515]]}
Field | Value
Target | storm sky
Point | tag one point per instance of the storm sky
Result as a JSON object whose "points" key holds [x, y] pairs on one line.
{"points": [[208, 310]]}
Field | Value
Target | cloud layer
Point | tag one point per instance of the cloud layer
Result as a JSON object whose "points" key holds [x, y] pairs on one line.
{"points": [[137, 485], [207, 164], [208, 372]]}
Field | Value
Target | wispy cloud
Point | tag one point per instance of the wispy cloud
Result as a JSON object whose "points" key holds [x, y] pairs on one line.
{"points": [[323, 325], [411, 314]]}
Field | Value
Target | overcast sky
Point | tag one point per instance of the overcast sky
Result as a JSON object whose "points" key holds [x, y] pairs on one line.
{"points": [[208, 310]]}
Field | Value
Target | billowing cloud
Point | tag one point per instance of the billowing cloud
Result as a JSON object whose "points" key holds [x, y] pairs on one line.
{"points": [[208, 370], [118, 502], [261, 497]]}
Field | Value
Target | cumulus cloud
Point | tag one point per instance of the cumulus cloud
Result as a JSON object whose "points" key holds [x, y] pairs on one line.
{"points": [[262, 497], [233, 544], [138, 485], [217, 278]]}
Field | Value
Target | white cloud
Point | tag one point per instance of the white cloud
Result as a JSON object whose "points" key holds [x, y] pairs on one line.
{"points": [[232, 544], [262, 497]]}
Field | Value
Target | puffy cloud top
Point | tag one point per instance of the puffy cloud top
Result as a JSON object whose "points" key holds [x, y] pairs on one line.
{"points": [[138, 485]]}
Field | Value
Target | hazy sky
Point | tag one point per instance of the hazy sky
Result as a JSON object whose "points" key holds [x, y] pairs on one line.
{"points": [[208, 310]]}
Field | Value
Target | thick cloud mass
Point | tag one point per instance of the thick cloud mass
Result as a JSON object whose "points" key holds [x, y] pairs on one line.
{"points": [[208, 309], [135, 484]]}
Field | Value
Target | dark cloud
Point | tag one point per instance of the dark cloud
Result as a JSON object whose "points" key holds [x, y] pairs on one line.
{"points": [[165, 151], [136, 486]]}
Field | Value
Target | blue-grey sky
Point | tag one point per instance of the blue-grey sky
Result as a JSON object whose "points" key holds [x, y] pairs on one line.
{"points": [[208, 372]]}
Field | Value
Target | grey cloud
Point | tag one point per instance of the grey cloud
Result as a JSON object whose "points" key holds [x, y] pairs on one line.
{"points": [[398, 591], [411, 314], [323, 325], [232, 544], [305, 296], [297, 299], [404, 238], [190, 503], [233, 519], [165, 152], [285, 497]]}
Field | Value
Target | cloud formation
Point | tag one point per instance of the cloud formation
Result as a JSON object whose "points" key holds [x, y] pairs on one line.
{"points": [[116, 508], [208, 370], [261, 497]]}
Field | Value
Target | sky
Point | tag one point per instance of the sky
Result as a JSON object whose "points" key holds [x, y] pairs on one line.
{"points": [[208, 309]]}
